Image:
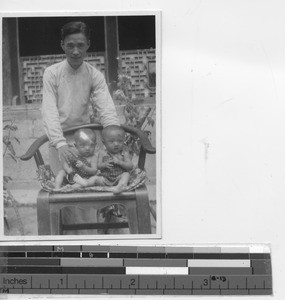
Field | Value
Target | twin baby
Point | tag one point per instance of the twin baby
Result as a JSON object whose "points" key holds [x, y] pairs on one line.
{"points": [[111, 167]]}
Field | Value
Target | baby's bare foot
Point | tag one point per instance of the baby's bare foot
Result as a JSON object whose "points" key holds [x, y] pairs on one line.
{"points": [[81, 181], [119, 189]]}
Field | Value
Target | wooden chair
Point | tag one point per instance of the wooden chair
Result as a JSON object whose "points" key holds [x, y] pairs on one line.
{"points": [[50, 204]]}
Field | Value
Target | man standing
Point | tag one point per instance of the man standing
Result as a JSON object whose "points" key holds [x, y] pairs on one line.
{"points": [[67, 88]]}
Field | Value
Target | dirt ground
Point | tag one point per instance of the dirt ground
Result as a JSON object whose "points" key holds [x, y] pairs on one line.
{"points": [[27, 223]]}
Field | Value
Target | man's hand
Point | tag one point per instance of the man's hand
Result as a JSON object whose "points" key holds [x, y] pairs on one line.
{"points": [[65, 152]]}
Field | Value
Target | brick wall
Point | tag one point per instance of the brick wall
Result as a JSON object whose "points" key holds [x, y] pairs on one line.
{"points": [[135, 63]]}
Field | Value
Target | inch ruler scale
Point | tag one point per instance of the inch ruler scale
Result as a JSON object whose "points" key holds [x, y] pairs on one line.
{"points": [[131, 270]]}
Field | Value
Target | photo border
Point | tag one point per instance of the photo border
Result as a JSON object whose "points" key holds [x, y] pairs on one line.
{"points": [[158, 48]]}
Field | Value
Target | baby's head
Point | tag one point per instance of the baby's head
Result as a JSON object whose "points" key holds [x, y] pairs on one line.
{"points": [[113, 137], [85, 142]]}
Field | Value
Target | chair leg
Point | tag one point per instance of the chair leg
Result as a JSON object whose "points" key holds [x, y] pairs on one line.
{"points": [[138, 213], [43, 213], [60, 223], [132, 218], [143, 210], [55, 221]]}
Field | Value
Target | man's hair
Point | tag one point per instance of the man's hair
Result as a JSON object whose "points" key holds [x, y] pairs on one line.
{"points": [[75, 27], [109, 128], [85, 133]]}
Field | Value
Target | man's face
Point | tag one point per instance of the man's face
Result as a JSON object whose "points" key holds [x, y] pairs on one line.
{"points": [[75, 47]]}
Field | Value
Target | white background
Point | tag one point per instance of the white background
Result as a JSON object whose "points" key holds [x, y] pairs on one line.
{"points": [[223, 120]]}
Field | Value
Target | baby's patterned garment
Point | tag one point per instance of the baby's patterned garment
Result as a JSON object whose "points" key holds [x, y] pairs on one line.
{"points": [[114, 172], [76, 170]]}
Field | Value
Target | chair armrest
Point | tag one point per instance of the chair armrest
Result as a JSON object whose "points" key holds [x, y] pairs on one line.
{"points": [[145, 142], [34, 147], [146, 145]]}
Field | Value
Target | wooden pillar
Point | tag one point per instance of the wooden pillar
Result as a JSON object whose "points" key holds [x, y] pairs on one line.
{"points": [[12, 94], [111, 51]]}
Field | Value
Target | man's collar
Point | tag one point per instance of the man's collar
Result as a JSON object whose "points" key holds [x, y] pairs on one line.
{"points": [[72, 70]]}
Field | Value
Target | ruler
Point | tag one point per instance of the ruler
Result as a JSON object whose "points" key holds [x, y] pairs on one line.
{"points": [[130, 270]]}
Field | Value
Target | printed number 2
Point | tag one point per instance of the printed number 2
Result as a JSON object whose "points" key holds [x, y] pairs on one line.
{"points": [[133, 281]]}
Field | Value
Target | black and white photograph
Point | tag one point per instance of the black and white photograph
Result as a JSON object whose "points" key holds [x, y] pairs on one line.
{"points": [[143, 149], [81, 125]]}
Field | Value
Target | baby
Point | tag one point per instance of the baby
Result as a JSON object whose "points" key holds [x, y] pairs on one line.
{"points": [[81, 170], [114, 161]]}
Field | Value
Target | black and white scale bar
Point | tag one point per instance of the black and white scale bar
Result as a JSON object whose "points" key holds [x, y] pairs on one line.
{"points": [[63, 270], [258, 266], [221, 256], [129, 270], [143, 270]]}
